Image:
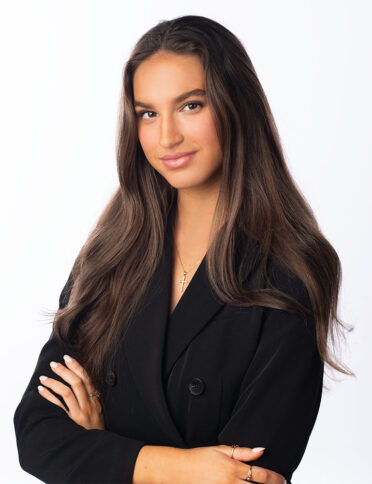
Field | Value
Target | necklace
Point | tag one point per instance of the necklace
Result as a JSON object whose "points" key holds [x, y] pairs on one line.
{"points": [[183, 280]]}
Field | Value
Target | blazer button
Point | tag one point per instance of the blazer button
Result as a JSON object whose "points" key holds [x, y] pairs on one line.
{"points": [[197, 386], [110, 378]]}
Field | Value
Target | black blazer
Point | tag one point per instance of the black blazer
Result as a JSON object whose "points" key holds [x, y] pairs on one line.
{"points": [[210, 374]]}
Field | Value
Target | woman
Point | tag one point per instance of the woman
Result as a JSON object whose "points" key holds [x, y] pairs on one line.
{"points": [[194, 322]]}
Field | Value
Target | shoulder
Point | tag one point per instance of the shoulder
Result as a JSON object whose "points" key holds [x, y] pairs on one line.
{"points": [[285, 279], [279, 276], [279, 322], [296, 328]]}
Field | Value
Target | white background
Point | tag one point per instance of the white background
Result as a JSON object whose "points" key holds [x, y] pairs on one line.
{"points": [[61, 64]]}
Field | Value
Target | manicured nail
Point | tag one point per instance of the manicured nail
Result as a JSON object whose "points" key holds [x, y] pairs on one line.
{"points": [[67, 358], [53, 364], [41, 388], [42, 378], [258, 449]]}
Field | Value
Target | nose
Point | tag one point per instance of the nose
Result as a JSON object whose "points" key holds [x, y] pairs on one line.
{"points": [[170, 133]]}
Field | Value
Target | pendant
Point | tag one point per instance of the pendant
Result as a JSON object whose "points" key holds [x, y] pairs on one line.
{"points": [[183, 280]]}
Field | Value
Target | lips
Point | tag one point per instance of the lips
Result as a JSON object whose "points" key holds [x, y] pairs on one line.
{"points": [[175, 156], [178, 162]]}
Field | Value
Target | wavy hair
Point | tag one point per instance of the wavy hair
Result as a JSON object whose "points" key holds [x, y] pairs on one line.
{"points": [[257, 198]]}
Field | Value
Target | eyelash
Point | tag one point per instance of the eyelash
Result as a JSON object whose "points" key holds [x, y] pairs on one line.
{"points": [[141, 113]]}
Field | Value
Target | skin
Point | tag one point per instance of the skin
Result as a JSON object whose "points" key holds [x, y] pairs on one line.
{"points": [[83, 410], [167, 126]]}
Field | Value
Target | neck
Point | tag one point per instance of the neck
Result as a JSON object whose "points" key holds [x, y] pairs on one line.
{"points": [[193, 218]]}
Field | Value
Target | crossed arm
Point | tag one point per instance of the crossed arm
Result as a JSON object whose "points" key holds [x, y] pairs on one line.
{"points": [[277, 406]]}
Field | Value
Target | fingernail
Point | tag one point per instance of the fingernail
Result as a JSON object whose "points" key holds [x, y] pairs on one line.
{"points": [[67, 358], [42, 378], [41, 388], [53, 364], [258, 449]]}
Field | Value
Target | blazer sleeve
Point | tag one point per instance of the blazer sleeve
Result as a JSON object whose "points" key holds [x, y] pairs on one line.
{"points": [[54, 448], [280, 394]]}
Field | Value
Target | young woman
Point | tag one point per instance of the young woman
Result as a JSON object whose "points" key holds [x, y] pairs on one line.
{"points": [[191, 336]]}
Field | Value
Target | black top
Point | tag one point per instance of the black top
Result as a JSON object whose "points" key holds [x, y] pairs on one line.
{"points": [[210, 374]]}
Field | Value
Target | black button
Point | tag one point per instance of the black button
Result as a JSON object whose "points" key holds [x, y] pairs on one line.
{"points": [[197, 386], [110, 378]]}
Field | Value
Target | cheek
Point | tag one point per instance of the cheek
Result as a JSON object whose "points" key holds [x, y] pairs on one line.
{"points": [[207, 130], [208, 140]]}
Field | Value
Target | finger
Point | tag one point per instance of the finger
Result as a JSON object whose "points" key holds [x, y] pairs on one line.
{"points": [[77, 384], [77, 368], [44, 392], [242, 453], [247, 453], [63, 390], [250, 473], [260, 474]]}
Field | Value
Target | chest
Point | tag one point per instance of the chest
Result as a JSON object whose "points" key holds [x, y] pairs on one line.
{"points": [[199, 387]]}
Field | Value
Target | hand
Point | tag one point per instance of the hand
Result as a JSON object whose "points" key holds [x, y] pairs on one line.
{"points": [[85, 411], [259, 474], [213, 464]]}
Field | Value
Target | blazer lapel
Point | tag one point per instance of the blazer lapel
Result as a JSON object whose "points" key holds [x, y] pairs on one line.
{"points": [[199, 303], [197, 306], [144, 343]]}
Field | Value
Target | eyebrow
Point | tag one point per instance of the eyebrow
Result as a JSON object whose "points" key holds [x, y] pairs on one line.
{"points": [[178, 99]]}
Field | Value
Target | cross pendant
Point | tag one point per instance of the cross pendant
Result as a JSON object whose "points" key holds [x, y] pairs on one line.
{"points": [[183, 280]]}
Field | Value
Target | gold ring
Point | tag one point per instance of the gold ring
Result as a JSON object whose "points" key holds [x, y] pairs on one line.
{"points": [[95, 394], [232, 449]]}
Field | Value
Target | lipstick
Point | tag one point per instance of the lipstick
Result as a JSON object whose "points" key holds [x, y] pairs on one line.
{"points": [[178, 162]]}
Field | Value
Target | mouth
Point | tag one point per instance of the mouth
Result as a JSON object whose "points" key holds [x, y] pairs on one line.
{"points": [[178, 160]]}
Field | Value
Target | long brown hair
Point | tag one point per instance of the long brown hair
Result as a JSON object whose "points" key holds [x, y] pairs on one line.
{"points": [[258, 197]]}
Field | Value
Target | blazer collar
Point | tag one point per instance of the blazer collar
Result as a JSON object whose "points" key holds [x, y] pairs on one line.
{"points": [[145, 339]]}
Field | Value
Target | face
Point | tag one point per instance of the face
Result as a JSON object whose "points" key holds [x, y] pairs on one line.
{"points": [[170, 122]]}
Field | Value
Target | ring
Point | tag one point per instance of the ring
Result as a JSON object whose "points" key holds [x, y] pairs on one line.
{"points": [[95, 394], [249, 476], [233, 448]]}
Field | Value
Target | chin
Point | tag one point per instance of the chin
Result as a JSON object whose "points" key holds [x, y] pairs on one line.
{"points": [[186, 183]]}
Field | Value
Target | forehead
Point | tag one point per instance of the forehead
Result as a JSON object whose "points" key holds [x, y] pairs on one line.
{"points": [[163, 76]]}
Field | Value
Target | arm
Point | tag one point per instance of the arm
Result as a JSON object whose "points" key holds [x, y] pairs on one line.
{"points": [[53, 448], [156, 464], [280, 393]]}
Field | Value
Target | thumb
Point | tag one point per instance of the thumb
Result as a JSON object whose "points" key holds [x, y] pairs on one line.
{"points": [[242, 453]]}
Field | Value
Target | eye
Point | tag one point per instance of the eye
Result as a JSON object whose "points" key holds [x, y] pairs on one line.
{"points": [[195, 103], [141, 113]]}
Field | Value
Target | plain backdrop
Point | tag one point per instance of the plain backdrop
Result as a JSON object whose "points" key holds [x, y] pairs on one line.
{"points": [[61, 65]]}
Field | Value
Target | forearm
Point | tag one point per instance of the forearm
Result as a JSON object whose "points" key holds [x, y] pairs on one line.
{"points": [[157, 464]]}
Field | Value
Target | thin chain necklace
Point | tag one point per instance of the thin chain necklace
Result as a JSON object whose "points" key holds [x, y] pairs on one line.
{"points": [[183, 280]]}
